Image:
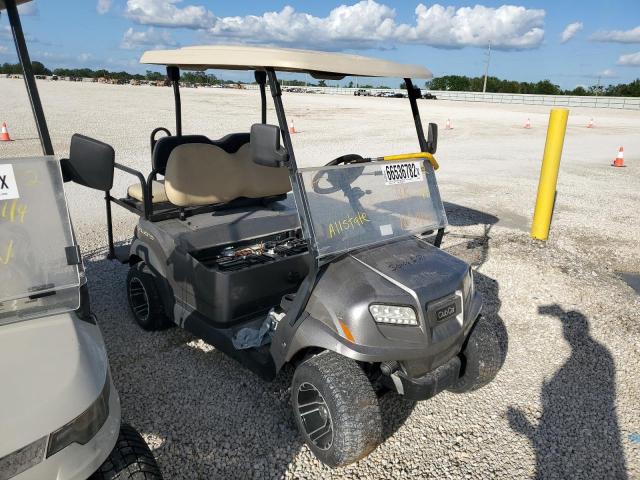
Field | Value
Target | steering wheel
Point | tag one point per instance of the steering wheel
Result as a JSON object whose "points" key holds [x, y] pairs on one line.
{"points": [[338, 179]]}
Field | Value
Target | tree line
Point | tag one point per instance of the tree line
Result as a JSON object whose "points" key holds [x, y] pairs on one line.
{"points": [[458, 83], [40, 69], [461, 83]]}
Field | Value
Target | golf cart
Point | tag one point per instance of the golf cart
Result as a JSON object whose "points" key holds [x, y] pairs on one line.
{"points": [[342, 278], [60, 416]]}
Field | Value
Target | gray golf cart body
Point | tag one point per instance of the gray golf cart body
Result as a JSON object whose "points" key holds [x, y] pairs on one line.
{"points": [[235, 229]]}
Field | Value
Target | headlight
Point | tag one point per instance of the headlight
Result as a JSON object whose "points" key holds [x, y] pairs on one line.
{"points": [[393, 314], [85, 426], [22, 459], [467, 284]]}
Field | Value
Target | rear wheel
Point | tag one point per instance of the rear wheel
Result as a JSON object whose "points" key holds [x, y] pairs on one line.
{"points": [[482, 358], [336, 409], [144, 298], [130, 459]]}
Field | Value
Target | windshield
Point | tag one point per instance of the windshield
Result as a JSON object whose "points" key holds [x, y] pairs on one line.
{"points": [[356, 205], [35, 231]]}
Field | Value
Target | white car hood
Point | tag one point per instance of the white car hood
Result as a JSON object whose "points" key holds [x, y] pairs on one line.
{"points": [[51, 369]]}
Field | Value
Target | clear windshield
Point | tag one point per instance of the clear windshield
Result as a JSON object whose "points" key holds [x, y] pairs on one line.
{"points": [[35, 276], [356, 205]]}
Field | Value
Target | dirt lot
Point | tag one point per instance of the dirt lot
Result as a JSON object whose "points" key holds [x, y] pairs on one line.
{"points": [[566, 401]]}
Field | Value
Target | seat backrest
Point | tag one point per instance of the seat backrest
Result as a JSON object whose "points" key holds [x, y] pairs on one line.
{"points": [[165, 145], [204, 174]]}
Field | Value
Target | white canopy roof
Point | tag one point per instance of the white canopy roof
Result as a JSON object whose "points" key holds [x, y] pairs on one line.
{"points": [[318, 64]]}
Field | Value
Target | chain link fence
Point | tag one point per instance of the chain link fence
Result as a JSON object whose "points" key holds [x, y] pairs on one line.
{"points": [[629, 103]]}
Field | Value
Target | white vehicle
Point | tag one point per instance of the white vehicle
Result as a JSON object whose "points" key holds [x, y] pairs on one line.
{"points": [[59, 409]]}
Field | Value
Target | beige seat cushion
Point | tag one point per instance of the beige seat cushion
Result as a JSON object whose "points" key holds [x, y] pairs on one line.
{"points": [[158, 194], [203, 174]]}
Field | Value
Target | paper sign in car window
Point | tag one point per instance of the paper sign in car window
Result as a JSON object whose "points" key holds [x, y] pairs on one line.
{"points": [[402, 172], [8, 185]]}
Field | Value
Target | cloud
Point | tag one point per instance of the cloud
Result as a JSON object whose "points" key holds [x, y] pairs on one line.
{"points": [[165, 13], [366, 24], [618, 36], [3, 49], [630, 59], [28, 9], [506, 27], [607, 73], [84, 57], [104, 6], [150, 38], [570, 31]]}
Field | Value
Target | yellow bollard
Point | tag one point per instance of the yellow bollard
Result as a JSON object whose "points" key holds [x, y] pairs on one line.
{"points": [[549, 173]]}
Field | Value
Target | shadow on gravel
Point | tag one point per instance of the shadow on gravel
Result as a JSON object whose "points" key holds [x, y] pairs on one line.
{"points": [[475, 249], [577, 435]]}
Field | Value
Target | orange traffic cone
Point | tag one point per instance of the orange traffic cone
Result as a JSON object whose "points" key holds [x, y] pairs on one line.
{"points": [[619, 160], [591, 123], [527, 124], [4, 134], [448, 125], [292, 128]]}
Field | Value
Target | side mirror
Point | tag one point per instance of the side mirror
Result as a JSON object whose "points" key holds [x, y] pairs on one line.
{"points": [[90, 163], [265, 146], [432, 138]]}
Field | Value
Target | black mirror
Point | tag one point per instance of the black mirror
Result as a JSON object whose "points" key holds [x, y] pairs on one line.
{"points": [[432, 138], [90, 163], [265, 146]]}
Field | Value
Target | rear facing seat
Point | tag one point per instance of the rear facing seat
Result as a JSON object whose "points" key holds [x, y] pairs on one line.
{"points": [[162, 151]]}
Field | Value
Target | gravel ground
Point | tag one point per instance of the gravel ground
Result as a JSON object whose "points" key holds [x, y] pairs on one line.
{"points": [[565, 404]]}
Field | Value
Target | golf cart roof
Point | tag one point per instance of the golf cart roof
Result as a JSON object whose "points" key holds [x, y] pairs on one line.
{"points": [[318, 64], [18, 2]]}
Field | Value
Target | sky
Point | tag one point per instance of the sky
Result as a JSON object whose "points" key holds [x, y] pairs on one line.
{"points": [[568, 42]]}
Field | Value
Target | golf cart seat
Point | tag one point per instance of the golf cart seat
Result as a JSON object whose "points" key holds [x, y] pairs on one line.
{"points": [[162, 150], [200, 174], [227, 159], [158, 194]]}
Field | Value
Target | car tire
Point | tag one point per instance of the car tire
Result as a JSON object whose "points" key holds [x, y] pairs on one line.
{"points": [[336, 409], [144, 298], [130, 459], [481, 358]]}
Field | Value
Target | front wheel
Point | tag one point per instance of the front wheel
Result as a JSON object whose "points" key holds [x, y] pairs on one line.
{"points": [[336, 409], [130, 459]]}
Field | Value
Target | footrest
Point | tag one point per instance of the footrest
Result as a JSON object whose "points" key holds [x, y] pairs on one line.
{"points": [[121, 253]]}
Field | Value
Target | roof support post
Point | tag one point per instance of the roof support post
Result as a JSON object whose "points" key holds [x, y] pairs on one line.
{"points": [[291, 321], [261, 78], [29, 79], [173, 74], [299, 194], [414, 93]]}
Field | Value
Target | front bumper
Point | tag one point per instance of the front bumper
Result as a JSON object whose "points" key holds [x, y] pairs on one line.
{"points": [[428, 385]]}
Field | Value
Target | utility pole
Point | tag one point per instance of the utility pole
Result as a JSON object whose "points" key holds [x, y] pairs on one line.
{"points": [[486, 68], [598, 86]]}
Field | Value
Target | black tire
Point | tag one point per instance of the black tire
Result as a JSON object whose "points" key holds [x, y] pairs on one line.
{"points": [[144, 298], [331, 392], [481, 358], [129, 459]]}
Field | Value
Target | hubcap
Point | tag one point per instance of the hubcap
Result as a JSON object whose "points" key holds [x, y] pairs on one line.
{"points": [[315, 416], [139, 299]]}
